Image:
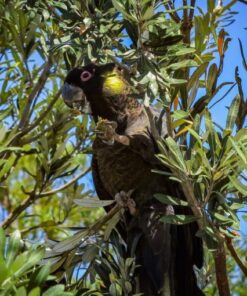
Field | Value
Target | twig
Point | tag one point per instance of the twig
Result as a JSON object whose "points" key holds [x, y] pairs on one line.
{"points": [[51, 192], [192, 10], [16, 138], [37, 88], [76, 240], [173, 14], [192, 201], [43, 115], [235, 256], [32, 139], [228, 91], [185, 12]]}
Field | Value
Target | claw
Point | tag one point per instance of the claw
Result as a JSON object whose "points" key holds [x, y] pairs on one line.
{"points": [[105, 130], [124, 201]]}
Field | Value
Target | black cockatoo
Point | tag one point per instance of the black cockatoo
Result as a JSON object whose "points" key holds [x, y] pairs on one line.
{"points": [[123, 159]]}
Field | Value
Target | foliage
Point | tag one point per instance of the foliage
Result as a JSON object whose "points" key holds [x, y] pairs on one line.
{"points": [[175, 60], [20, 273]]}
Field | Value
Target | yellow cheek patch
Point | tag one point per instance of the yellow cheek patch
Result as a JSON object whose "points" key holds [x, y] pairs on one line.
{"points": [[114, 85]]}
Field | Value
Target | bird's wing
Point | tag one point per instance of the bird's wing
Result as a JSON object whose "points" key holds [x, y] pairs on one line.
{"points": [[98, 184]]}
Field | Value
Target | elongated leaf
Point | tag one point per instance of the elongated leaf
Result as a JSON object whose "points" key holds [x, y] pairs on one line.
{"points": [[111, 224], [120, 7], [33, 259], [39, 277], [223, 219], [196, 75], [174, 149], [2, 243], [70, 243], [13, 247], [57, 290], [93, 202], [178, 219], [211, 78], [238, 185], [242, 54], [35, 292], [233, 113], [170, 200], [241, 152], [183, 64]]}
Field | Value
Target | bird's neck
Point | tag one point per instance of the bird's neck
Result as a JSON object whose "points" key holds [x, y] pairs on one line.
{"points": [[116, 108]]}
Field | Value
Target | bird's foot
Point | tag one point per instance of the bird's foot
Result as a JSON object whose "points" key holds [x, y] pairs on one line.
{"points": [[106, 131], [124, 201]]}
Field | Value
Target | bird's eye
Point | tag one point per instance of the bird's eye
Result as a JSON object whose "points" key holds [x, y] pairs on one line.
{"points": [[85, 76]]}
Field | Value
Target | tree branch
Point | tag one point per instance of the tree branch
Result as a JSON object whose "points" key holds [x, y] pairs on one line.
{"points": [[173, 14], [220, 268], [66, 185], [235, 255], [37, 88], [192, 10]]}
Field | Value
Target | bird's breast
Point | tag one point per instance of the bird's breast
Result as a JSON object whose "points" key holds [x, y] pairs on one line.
{"points": [[121, 169]]}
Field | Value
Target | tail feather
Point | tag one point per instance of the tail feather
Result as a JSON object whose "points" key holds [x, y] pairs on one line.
{"points": [[166, 257]]}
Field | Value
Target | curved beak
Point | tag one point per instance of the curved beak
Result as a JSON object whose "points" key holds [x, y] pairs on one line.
{"points": [[75, 98]]}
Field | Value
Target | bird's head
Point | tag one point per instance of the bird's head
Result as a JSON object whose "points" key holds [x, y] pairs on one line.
{"points": [[85, 87]]}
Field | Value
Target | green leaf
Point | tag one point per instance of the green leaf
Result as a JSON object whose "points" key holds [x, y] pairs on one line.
{"points": [[223, 219], [238, 148], [21, 291], [57, 290], [39, 277], [2, 243], [238, 185], [183, 64], [178, 219], [175, 151], [184, 51], [211, 78], [111, 225], [121, 8], [70, 243], [13, 247], [179, 114], [242, 54], [93, 202], [34, 292], [32, 259], [233, 113], [169, 200], [196, 75]]}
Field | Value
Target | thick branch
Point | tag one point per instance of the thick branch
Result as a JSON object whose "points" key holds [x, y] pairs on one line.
{"points": [[221, 271], [235, 256], [17, 211]]}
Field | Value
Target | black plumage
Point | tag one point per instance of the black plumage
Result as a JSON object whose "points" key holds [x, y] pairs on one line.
{"points": [[123, 160]]}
